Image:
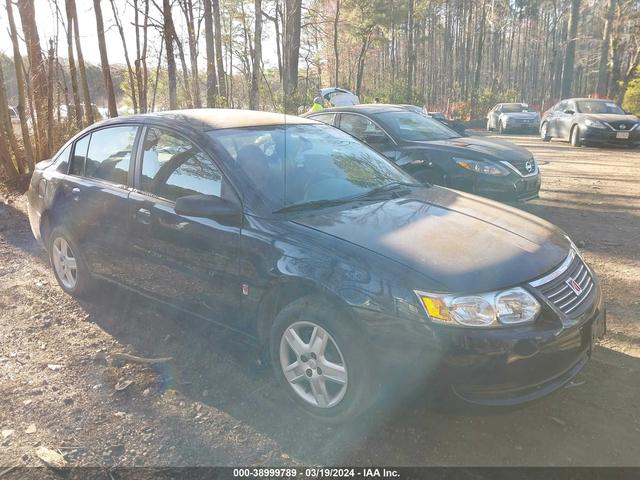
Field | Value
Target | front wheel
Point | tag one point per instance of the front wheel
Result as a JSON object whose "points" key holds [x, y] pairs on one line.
{"points": [[501, 129], [68, 265], [544, 132], [575, 136], [321, 361]]}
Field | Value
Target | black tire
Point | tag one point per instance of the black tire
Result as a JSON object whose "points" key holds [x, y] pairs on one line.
{"points": [[84, 282], [361, 390], [544, 132], [489, 129], [574, 137], [501, 129]]}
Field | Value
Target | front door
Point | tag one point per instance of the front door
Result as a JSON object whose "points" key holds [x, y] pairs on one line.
{"points": [[190, 262]]}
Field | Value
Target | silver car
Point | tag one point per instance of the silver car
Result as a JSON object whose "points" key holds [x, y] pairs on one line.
{"points": [[506, 117]]}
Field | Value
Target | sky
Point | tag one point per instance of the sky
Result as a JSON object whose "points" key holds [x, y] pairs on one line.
{"points": [[46, 21]]}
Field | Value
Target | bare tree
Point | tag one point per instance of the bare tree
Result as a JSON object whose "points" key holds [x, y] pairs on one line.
{"points": [[169, 34], [292, 25], [254, 97], [133, 84], [104, 60], [86, 96], [20, 81], [212, 78]]}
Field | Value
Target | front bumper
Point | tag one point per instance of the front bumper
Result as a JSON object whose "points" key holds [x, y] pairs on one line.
{"points": [[521, 126], [600, 136], [510, 188], [493, 367]]}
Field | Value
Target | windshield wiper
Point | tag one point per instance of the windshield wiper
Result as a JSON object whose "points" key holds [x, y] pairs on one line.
{"points": [[388, 187], [313, 204]]}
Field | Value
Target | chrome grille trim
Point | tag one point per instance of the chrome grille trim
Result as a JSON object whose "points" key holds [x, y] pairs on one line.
{"points": [[557, 272], [558, 286]]}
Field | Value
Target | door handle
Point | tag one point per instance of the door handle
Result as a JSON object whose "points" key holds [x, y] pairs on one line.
{"points": [[143, 215]]}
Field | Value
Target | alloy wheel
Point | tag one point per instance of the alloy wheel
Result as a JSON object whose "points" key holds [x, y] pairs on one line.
{"points": [[65, 263], [313, 364]]}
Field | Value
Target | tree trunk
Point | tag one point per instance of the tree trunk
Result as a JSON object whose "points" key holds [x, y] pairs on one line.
{"points": [[336, 21], [6, 132], [86, 96], [77, 118], [292, 22], [603, 72], [212, 79], [569, 56], [20, 81], [411, 53], [187, 10], [222, 82], [132, 81], [38, 74], [104, 60], [254, 98], [169, 35]]}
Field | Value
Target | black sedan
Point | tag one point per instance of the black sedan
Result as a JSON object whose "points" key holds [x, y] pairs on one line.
{"points": [[589, 121], [320, 252], [433, 153]]}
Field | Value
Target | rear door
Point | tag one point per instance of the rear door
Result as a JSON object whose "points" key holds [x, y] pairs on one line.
{"points": [[187, 261], [95, 198]]}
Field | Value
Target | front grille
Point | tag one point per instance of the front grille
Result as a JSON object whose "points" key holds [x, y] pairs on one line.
{"points": [[569, 286], [521, 166], [622, 125]]}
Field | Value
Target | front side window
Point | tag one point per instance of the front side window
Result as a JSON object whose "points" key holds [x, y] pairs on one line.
{"points": [[413, 127], [174, 167], [294, 164], [109, 154]]}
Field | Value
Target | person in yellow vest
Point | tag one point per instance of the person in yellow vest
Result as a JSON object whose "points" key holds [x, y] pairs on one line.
{"points": [[317, 105]]}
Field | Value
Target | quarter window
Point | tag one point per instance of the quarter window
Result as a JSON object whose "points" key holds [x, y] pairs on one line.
{"points": [[173, 167], [109, 154], [62, 161], [79, 155], [327, 118]]}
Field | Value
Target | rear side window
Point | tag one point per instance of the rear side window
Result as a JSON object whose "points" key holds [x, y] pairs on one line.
{"points": [[109, 154], [79, 155], [174, 167]]}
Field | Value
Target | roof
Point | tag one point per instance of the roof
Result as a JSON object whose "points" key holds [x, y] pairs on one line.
{"points": [[215, 118], [368, 108]]}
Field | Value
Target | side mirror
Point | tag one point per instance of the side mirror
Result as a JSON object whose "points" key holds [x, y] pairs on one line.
{"points": [[568, 111], [376, 138], [205, 206]]}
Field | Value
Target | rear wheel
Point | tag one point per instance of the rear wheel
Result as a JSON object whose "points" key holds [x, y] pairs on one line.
{"points": [[575, 136], [501, 129], [321, 360], [544, 132], [68, 266]]}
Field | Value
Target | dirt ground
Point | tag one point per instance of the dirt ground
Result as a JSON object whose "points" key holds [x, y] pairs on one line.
{"points": [[62, 388]]}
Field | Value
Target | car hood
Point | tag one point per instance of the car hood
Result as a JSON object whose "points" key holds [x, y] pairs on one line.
{"points": [[520, 115], [486, 147], [610, 117], [463, 243]]}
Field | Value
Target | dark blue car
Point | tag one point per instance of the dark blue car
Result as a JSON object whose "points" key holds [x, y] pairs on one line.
{"points": [[329, 258]]}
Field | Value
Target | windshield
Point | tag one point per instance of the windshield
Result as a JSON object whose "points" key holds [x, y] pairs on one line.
{"points": [[414, 127], [514, 108], [598, 106], [306, 163]]}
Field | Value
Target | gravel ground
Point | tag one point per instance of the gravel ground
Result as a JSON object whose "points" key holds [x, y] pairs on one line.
{"points": [[63, 388]]}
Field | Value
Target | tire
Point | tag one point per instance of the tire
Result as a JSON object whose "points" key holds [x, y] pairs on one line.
{"points": [[489, 129], [68, 264], [544, 132], [350, 391], [501, 129], [575, 136]]}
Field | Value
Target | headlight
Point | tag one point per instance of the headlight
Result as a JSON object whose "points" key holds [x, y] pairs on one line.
{"points": [[514, 306], [594, 123], [481, 167]]}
